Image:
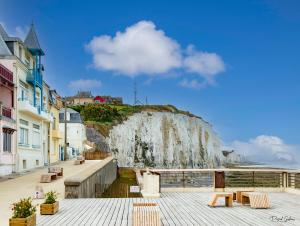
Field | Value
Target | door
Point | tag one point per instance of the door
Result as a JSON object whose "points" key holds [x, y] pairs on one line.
{"points": [[219, 179]]}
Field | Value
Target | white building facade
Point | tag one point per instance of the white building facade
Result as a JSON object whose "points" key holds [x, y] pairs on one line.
{"points": [[76, 132], [32, 118]]}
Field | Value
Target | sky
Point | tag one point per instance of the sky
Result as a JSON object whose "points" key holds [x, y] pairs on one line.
{"points": [[235, 62]]}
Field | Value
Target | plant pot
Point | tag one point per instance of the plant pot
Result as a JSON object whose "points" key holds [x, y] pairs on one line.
{"points": [[28, 221], [49, 209]]}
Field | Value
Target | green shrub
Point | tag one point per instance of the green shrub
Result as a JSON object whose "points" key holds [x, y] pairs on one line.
{"points": [[50, 197], [23, 208]]}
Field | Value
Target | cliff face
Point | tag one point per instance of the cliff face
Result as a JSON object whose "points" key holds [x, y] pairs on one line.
{"points": [[164, 140]]}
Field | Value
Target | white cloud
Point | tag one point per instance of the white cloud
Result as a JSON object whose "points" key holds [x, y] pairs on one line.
{"points": [[144, 49], [268, 149], [193, 84], [140, 49], [207, 65], [85, 84]]}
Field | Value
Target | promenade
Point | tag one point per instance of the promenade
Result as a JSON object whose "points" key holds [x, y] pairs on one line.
{"points": [[24, 186]]}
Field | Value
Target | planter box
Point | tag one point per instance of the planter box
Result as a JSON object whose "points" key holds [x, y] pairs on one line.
{"points": [[28, 221], [49, 209]]}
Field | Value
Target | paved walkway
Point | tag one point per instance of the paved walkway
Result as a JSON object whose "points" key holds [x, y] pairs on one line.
{"points": [[24, 186]]}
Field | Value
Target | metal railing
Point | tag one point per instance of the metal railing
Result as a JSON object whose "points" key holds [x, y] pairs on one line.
{"points": [[186, 179], [7, 112], [230, 178], [6, 74]]}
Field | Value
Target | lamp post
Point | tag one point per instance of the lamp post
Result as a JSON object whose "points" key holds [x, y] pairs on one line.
{"points": [[65, 122]]}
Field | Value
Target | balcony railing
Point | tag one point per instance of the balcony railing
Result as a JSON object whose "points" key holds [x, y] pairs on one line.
{"points": [[35, 76], [6, 74], [6, 112]]}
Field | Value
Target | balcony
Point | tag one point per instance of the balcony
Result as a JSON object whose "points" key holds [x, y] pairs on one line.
{"points": [[26, 106], [7, 112], [56, 134], [6, 74], [35, 77]]}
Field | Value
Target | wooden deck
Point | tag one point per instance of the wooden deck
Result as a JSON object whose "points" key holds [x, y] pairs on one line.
{"points": [[176, 209]]}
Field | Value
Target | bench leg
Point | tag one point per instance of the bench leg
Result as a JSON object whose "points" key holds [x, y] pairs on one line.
{"points": [[228, 201], [213, 201]]}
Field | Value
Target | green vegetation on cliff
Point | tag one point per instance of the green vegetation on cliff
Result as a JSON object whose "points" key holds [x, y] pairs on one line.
{"points": [[104, 116]]}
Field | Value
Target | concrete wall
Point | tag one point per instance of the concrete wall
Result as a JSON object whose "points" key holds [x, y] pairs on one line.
{"points": [[93, 181]]}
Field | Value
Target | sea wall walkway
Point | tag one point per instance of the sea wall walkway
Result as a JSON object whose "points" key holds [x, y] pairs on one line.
{"points": [[92, 181]]}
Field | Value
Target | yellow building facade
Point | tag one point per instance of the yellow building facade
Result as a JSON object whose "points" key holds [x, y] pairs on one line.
{"points": [[55, 135]]}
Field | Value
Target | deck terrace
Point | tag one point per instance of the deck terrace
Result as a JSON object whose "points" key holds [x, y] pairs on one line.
{"points": [[176, 209]]}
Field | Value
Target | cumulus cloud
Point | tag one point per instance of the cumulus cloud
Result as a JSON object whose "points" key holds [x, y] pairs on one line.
{"points": [[140, 49], [193, 84], [144, 49], [84, 84], [268, 149], [205, 64]]}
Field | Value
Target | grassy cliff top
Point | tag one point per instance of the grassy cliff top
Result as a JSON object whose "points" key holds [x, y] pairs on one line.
{"points": [[105, 116]]}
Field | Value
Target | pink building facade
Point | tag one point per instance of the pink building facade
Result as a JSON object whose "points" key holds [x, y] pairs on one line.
{"points": [[7, 120]]}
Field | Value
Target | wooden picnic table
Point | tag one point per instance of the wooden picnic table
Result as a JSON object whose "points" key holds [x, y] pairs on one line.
{"points": [[256, 199], [48, 177], [237, 195], [146, 214], [228, 199]]}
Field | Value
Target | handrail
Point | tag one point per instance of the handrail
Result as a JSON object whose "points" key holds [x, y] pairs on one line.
{"points": [[225, 170]]}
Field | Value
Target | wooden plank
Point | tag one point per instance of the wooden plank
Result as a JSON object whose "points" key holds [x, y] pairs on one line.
{"points": [[175, 209]]}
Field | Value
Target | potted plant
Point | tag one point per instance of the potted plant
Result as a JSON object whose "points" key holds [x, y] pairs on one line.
{"points": [[51, 205], [23, 213]]}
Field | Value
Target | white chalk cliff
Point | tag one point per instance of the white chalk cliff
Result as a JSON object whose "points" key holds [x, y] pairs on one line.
{"points": [[165, 140]]}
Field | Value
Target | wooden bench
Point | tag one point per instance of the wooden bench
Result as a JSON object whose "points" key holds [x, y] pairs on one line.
{"points": [[78, 162], [58, 170], [48, 177], [228, 199], [237, 195], [146, 214], [256, 200]]}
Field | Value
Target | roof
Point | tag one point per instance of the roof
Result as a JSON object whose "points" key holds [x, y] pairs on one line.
{"points": [[74, 116], [70, 110], [100, 99], [84, 94], [3, 32], [6, 37], [4, 50], [32, 42]]}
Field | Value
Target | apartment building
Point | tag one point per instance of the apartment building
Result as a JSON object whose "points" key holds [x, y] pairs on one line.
{"points": [[33, 118], [55, 134], [76, 132], [7, 119]]}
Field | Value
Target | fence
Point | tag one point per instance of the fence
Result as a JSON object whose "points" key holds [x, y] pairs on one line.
{"points": [[272, 179], [95, 155]]}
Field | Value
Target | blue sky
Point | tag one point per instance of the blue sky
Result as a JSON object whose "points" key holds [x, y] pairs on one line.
{"points": [[253, 91]]}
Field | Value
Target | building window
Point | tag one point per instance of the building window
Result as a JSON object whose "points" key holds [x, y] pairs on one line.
{"points": [[23, 136], [23, 93], [7, 142], [36, 139], [35, 126], [54, 123], [23, 122], [20, 53]]}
